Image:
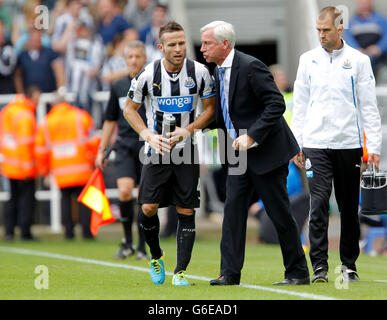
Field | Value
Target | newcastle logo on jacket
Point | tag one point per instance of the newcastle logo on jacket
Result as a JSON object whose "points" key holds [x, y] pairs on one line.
{"points": [[347, 64]]}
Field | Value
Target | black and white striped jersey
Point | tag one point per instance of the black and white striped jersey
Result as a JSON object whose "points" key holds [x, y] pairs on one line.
{"points": [[176, 94], [82, 55]]}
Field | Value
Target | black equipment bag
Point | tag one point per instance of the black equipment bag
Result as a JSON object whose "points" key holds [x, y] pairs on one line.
{"points": [[373, 192]]}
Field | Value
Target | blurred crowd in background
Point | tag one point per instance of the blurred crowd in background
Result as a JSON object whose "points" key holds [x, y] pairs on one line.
{"points": [[82, 48]]}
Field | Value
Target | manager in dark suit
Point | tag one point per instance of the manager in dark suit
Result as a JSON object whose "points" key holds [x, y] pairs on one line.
{"points": [[249, 110]]}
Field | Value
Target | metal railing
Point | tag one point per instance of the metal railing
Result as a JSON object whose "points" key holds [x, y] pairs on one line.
{"points": [[53, 194]]}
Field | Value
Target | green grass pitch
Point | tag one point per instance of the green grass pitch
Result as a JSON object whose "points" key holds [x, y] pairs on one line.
{"points": [[86, 270]]}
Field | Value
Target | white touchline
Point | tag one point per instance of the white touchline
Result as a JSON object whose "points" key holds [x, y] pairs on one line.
{"points": [[126, 266]]}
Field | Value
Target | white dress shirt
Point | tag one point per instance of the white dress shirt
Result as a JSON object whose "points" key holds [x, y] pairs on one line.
{"points": [[227, 64]]}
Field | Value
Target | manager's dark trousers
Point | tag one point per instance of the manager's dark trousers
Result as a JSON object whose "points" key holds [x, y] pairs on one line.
{"points": [[343, 167], [271, 188], [20, 207]]}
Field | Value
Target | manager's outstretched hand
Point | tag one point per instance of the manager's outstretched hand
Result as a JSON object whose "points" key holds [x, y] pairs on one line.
{"points": [[243, 142]]}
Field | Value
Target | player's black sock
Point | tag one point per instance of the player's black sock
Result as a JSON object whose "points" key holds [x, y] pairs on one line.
{"points": [[126, 208], [141, 235], [185, 238], [151, 228]]}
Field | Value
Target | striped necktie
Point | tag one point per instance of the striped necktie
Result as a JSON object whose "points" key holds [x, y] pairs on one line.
{"points": [[226, 116]]}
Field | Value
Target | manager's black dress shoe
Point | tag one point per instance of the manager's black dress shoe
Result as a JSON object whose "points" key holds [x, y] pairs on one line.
{"points": [[292, 282], [320, 275], [224, 280], [349, 275]]}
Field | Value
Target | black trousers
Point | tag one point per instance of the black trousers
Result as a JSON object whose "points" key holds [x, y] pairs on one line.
{"points": [[84, 213], [271, 188], [20, 207], [343, 168]]}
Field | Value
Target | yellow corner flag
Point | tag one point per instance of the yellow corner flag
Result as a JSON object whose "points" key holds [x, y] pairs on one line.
{"points": [[93, 196]]}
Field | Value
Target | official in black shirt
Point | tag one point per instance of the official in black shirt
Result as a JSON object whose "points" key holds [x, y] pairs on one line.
{"points": [[128, 145]]}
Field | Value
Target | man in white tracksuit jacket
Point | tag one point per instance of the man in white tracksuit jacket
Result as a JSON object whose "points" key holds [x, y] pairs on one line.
{"points": [[334, 101]]}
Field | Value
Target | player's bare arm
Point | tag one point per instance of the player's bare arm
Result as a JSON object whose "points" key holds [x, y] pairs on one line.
{"points": [[205, 118], [107, 132], [157, 142]]}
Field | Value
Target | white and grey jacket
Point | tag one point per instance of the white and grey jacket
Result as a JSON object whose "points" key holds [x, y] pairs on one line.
{"points": [[334, 100]]}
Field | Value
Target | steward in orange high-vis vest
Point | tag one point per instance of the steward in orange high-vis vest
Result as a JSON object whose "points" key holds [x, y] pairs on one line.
{"points": [[66, 147], [18, 125], [17, 138]]}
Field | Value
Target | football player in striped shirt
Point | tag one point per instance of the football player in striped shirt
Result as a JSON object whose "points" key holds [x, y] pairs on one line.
{"points": [[170, 86]]}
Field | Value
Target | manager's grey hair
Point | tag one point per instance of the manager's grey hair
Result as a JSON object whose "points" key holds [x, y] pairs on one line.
{"points": [[135, 44], [222, 31]]}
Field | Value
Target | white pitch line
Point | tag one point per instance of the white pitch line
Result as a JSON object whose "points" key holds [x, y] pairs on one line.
{"points": [[127, 266]]}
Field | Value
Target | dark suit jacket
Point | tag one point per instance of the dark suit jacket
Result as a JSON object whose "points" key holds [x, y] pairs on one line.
{"points": [[256, 104]]}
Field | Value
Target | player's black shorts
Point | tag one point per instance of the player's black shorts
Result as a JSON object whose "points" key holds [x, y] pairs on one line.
{"points": [[170, 184], [127, 163]]}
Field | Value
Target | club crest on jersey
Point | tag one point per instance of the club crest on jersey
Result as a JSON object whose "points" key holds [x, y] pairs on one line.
{"points": [[189, 83], [347, 64]]}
